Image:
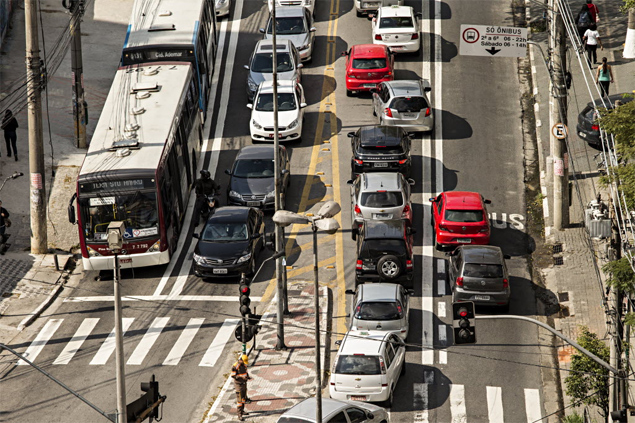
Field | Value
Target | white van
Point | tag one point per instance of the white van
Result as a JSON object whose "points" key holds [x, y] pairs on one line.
{"points": [[367, 367]]}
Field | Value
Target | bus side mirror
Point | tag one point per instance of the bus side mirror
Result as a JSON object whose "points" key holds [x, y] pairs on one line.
{"points": [[71, 213]]}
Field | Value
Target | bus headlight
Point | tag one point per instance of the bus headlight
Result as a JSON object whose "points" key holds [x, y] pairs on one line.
{"points": [[155, 247], [92, 253], [244, 258]]}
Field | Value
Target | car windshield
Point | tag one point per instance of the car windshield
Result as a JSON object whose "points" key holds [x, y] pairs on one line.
{"points": [[253, 168], [396, 22], [408, 104], [378, 63], [288, 26], [286, 102], [381, 310], [358, 365], [465, 216], [382, 199], [381, 247], [263, 63], [225, 232], [475, 270]]}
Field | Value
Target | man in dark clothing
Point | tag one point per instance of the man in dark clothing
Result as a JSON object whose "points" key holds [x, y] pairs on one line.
{"points": [[204, 185], [9, 125], [241, 376], [4, 216]]}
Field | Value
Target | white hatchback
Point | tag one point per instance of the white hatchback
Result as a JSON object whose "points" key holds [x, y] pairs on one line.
{"points": [[291, 104], [397, 28], [367, 367]]}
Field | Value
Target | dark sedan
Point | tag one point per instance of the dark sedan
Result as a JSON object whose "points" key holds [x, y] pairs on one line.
{"points": [[587, 127], [380, 148], [251, 181], [229, 243]]}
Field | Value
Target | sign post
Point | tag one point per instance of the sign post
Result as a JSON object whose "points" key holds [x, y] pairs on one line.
{"points": [[489, 40]]}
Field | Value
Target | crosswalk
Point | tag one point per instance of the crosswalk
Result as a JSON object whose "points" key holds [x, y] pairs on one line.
{"points": [[46, 339]]}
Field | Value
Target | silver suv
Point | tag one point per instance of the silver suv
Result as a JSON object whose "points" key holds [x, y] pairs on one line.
{"points": [[405, 104], [379, 196], [334, 411], [381, 306], [261, 64]]}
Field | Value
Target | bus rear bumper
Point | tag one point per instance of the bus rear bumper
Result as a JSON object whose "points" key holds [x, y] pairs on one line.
{"points": [[126, 261]]}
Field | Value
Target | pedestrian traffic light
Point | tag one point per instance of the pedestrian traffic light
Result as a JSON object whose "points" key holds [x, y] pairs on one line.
{"points": [[147, 405], [245, 301], [463, 323], [152, 391]]}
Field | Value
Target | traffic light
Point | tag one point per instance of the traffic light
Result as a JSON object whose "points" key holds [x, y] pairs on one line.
{"points": [[152, 391], [245, 301], [147, 405], [463, 323]]}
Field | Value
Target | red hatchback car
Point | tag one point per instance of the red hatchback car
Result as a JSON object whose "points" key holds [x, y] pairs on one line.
{"points": [[460, 217], [366, 66]]}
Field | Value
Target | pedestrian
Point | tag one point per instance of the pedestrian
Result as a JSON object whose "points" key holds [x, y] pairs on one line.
{"points": [[595, 12], [4, 223], [241, 376], [584, 20], [9, 125], [604, 77], [592, 40]]}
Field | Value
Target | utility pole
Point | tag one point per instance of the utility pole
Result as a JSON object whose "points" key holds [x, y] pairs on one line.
{"points": [[79, 103], [616, 390], [629, 44], [558, 116], [318, 359], [36, 144]]}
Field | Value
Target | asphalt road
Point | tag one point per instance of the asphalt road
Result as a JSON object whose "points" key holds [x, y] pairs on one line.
{"points": [[476, 146]]}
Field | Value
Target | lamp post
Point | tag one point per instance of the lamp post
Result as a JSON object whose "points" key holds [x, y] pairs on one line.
{"points": [[323, 221], [13, 176]]}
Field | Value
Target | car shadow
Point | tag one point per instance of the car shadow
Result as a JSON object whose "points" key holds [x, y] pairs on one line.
{"points": [[406, 74], [415, 396], [449, 49], [313, 96], [454, 127], [513, 242]]}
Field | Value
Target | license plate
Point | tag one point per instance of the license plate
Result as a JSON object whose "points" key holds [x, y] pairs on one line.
{"points": [[396, 47], [271, 135], [220, 271], [464, 241], [582, 134], [253, 203], [380, 164], [358, 398], [125, 260], [369, 85], [382, 215], [481, 297], [370, 4], [409, 115]]}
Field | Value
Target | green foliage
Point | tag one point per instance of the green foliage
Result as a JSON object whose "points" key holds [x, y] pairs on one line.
{"points": [[628, 4], [620, 275], [629, 319], [573, 418], [620, 122], [588, 382]]}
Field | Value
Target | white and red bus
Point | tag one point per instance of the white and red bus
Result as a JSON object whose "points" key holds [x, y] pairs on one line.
{"points": [[140, 166]]}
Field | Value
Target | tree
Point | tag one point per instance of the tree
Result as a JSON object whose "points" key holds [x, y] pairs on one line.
{"points": [[588, 382], [620, 275]]}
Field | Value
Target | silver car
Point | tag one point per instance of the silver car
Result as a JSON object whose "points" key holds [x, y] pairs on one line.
{"points": [[261, 64], [405, 104], [294, 23], [334, 411], [222, 8], [478, 273], [381, 306], [379, 196]]}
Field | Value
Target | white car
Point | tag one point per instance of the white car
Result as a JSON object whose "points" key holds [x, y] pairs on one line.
{"points": [[308, 4], [367, 367], [397, 28], [291, 104]]}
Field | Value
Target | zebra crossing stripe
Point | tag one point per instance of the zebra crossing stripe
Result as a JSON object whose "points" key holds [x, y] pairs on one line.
{"points": [[532, 405], [148, 340], [186, 337], [457, 404], [76, 341], [40, 341], [420, 396], [218, 344], [495, 404], [108, 347]]}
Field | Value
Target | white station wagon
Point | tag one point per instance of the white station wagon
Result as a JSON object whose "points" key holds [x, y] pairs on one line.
{"points": [[396, 27]]}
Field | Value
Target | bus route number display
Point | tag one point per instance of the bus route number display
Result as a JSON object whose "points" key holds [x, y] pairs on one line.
{"points": [[123, 185]]}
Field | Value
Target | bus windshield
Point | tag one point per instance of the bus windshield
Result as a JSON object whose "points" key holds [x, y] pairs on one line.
{"points": [[138, 211]]}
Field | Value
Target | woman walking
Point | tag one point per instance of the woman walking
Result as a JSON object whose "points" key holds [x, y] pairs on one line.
{"points": [[9, 125], [584, 20], [604, 77], [592, 40]]}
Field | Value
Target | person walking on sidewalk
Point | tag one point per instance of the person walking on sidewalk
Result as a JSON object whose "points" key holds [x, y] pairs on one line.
{"points": [[595, 12], [4, 222], [592, 40], [241, 376], [9, 125], [604, 77], [584, 20]]}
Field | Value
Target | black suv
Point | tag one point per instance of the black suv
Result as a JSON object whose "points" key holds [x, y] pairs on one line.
{"points": [[384, 252], [380, 148]]}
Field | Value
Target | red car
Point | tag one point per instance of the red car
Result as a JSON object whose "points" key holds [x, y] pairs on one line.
{"points": [[460, 217], [366, 66]]}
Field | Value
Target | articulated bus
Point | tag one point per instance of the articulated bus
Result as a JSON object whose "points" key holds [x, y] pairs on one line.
{"points": [[140, 166], [175, 30]]}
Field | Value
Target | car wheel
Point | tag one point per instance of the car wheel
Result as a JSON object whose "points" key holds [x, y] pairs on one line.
{"points": [[374, 112], [349, 93], [353, 232], [505, 308], [389, 267], [359, 14], [403, 369], [388, 402]]}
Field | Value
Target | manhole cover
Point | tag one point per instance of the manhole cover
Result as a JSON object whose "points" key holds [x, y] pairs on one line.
{"points": [[563, 296], [558, 261], [557, 248]]}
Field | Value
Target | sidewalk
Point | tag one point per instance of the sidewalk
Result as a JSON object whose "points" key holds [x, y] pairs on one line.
{"points": [[572, 264], [281, 379]]}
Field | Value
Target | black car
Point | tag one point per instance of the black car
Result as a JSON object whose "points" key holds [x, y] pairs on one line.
{"points": [[380, 148], [587, 127], [384, 252], [251, 181], [229, 243]]}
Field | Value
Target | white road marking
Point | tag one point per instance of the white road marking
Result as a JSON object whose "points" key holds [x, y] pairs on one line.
{"points": [[184, 271], [443, 356], [441, 266], [184, 341], [420, 394], [76, 341], [495, 404], [441, 309], [40, 341], [106, 298], [148, 340], [532, 405], [441, 287], [218, 344], [443, 334], [457, 403], [108, 347]]}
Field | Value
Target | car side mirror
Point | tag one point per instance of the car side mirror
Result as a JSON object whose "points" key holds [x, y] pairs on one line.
{"points": [[261, 30], [350, 291], [302, 105], [411, 231], [410, 292], [432, 200], [228, 172], [351, 134], [71, 213], [338, 342], [488, 201], [344, 53], [427, 89], [507, 256], [301, 65], [284, 171], [250, 106], [313, 29], [419, 14], [411, 181], [195, 235], [349, 182], [246, 67]]}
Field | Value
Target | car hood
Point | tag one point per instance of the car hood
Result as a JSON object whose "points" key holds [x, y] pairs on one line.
{"points": [[298, 40], [247, 186], [221, 250], [266, 118], [258, 77]]}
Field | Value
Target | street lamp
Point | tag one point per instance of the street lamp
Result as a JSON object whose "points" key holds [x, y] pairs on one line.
{"points": [[15, 175], [324, 221]]}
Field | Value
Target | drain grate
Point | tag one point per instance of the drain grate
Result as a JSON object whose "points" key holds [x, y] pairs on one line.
{"points": [[557, 248], [558, 261], [563, 296]]}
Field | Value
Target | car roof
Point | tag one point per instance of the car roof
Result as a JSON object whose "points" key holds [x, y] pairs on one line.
{"points": [[306, 408], [229, 214], [484, 254], [396, 11], [378, 135], [362, 342], [282, 44], [405, 88], [289, 11], [373, 181], [283, 86], [256, 152], [384, 229], [379, 291], [367, 51], [463, 200]]}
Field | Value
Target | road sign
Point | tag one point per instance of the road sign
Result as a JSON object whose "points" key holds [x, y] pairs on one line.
{"points": [[498, 41], [559, 131]]}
